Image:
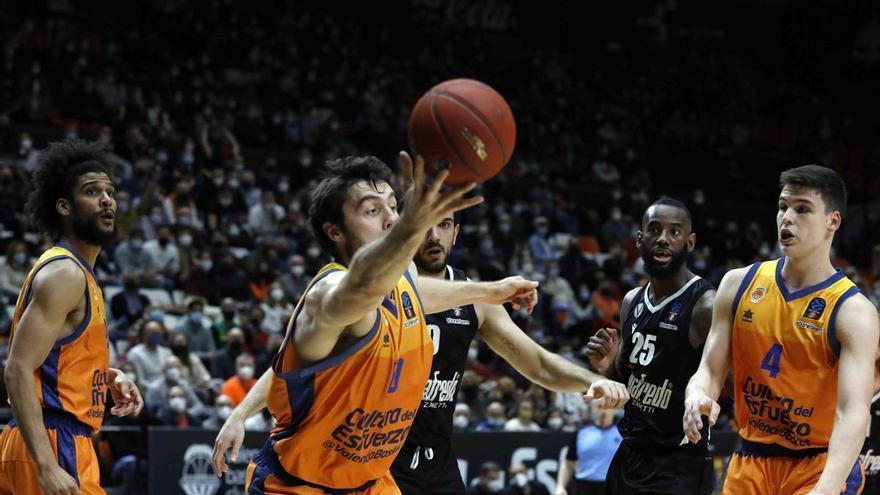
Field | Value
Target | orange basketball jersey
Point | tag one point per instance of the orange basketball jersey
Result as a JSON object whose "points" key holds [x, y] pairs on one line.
{"points": [[785, 353], [342, 421], [73, 378]]}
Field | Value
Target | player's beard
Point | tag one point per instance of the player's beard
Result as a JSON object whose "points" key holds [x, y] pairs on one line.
{"points": [[677, 260], [86, 228], [428, 266]]}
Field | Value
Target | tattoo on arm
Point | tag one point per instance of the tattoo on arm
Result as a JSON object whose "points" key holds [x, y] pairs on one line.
{"points": [[508, 344]]}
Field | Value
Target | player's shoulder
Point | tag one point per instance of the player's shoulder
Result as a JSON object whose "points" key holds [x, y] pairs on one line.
{"points": [[857, 307], [63, 273], [734, 278]]}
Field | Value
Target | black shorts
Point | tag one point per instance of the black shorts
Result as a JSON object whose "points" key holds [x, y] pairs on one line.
{"points": [[667, 473], [426, 471]]}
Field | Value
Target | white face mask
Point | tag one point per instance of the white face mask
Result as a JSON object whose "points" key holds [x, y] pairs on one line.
{"points": [[173, 374], [277, 294], [185, 240], [223, 412], [313, 252], [297, 270], [460, 422], [495, 486], [177, 404], [472, 354], [246, 372], [520, 480], [555, 423]]}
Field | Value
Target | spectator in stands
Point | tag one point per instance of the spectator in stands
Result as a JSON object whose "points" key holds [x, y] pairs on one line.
{"points": [[165, 259], [129, 304], [615, 229], [198, 278], [489, 480], [14, 272], [556, 420], [520, 484], [495, 419], [223, 363], [539, 248], [589, 453], [228, 320], [173, 410], [149, 356], [263, 217], [524, 420], [172, 376], [130, 256], [222, 410], [237, 387], [461, 418], [228, 279], [196, 330], [295, 280], [276, 310], [192, 368]]}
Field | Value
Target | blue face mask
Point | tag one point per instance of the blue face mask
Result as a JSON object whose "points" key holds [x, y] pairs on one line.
{"points": [[195, 318], [154, 339], [157, 315]]}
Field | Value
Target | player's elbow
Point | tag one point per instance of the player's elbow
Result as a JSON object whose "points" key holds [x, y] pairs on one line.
{"points": [[14, 372]]}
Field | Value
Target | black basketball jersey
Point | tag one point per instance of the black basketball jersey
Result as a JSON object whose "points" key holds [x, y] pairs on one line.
{"points": [[871, 450], [452, 332], [656, 361]]}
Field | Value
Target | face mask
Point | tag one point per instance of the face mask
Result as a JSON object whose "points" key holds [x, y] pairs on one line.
{"points": [[496, 485], [504, 228], [173, 374], [236, 346], [180, 350], [137, 244], [277, 294], [132, 375], [206, 265], [19, 258], [313, 252], [520, 480], [218, 181], [472, 354], [543, 230], [154, 339], [186, 239], [528, 267], [234, 183], [283, 187], [195, 318], [555, 423], [496, 421], [162, 157], [186, 221], [246, 372], [157, 315], [225, 202], [460, 422], [223, 412], [297, 270], [295, 206], [177, 404], [163, 241], [553, 272], [156, 218], [585, 294], [483, 229]]}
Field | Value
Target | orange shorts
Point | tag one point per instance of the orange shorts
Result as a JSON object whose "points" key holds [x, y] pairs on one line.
{"points": [[72, 443], [265, 476], [783, 475]]}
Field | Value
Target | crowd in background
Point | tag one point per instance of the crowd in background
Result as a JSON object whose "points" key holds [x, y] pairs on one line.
{"points": [[219, 125]]}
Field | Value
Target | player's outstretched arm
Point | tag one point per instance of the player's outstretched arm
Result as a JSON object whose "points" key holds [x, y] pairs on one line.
{"points": [[441, 295], [231, 435], [705, 386], [350, 298], [857, 331], [41, 325], [545, 368]]}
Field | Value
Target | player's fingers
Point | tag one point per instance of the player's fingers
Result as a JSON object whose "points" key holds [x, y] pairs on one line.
{"points": [[234, 454], [464, 203], [218, 457], [406, 169], [419, 175], [713, 414], [437, 185]]}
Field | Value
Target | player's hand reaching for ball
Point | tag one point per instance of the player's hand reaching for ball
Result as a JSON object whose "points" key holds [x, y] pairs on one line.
{"points": [[696, 406], [607, 394], [427, 205], [602, 349], [517, 291]]}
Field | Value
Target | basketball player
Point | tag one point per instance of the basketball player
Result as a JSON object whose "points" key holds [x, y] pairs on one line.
{"points": [[427, 464], [661, 338], [347, 381], [870, 457], [58, 372], [802, 339]]}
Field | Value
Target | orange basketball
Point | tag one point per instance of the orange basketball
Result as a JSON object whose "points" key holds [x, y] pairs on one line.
{"points": [[463, 125]]}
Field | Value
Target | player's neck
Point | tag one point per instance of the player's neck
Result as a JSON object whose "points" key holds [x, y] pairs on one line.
{"points": [[441, 275], [86, 251], [798, 273], [661, 288]]}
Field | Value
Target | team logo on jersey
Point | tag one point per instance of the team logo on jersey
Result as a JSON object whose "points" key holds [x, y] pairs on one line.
{"points": [[747, 316], [408, 310], [815, 308], [758, 294], [674, 311], [639, 309], [456, 312]]}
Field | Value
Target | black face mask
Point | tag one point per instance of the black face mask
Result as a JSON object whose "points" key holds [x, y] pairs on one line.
{"points": [[236, 346], [228, 315], [180, 350]]}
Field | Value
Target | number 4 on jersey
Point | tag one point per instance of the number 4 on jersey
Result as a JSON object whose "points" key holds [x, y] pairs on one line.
{"points": [[771, 360]]}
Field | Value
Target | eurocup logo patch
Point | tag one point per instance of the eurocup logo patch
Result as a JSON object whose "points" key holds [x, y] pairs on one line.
{"points": [[815, 308], [674, 311], [408, 309]]}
